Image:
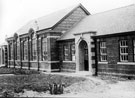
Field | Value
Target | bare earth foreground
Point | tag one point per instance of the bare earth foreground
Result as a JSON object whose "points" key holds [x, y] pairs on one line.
{"points": [[92, 87]]}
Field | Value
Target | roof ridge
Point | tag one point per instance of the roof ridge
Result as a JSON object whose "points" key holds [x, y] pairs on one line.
{"points": [[72, 7], [113, 9], [59, 10]]}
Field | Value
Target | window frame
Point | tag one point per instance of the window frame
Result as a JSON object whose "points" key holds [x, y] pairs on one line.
{"points": [[66, 52], [44, 49], [102, 49], [123, 48], [69, 52], [72, 52], [12, 51], [134, 50], [18, 50], [34, 49], [9, 49], [25, 49]]}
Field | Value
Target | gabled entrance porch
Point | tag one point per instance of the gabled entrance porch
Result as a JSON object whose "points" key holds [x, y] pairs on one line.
{"points": [[83, 52]]}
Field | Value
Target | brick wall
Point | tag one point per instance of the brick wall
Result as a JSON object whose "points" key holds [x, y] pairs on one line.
{"points": [[113, 65], [66, 65]]}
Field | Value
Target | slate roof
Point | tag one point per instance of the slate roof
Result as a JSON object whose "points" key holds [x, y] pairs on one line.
{"points": [[48, 21], [108, 22]]}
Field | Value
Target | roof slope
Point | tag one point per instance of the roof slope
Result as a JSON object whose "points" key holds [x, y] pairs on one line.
{"points": [[109, 22], [48, 21]]}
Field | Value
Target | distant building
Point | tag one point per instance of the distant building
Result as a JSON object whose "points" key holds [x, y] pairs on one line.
{"points": [[3, 54], [73, 40]]}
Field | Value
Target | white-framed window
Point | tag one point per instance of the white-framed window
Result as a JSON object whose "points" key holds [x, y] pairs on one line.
{"points": [[44, 48], [18, 51], [73, 52], [123, 51], [34, 49], [40, 48], [103, 51], [25, 43], [12, 51], [134, 48], [66, 53]]}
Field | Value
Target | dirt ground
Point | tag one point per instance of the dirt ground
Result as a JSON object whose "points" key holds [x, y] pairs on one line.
{"points": [[93, 87]]}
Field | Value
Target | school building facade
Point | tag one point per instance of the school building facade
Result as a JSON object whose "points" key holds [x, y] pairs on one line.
{"points": [[73, 40]]}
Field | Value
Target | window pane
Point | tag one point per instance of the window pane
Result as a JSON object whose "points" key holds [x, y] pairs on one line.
{"points": [[39, 48], [12, 51], [18, 50], [103, 51], [25, 50], [66, 53], [34, 49], [73, 52], [134, 48], [123, 50], [44, 49]]}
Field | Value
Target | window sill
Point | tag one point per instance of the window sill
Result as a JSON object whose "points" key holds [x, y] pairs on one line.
{"points": [[102, 62], [68, 61], [126, 63], [24, 60], [34, 61]]}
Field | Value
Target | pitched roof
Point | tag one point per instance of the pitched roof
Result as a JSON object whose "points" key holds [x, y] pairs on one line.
{"points": [[48, 21], [4, 43], [108, 22]]}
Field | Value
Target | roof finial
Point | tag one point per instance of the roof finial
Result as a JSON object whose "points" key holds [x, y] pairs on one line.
{"points": [[37, 25]]}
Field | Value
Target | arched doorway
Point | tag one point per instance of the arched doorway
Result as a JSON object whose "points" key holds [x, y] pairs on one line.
{"points": [[83, 56]]}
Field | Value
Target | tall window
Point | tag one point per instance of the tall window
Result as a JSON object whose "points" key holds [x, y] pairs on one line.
{"points": [[25, 50], [123, 51], [73, 52], [18, 51], [134, 48], [66, 53], [39, 48], [69, 52], [44, 49], [34, 49], [15, 50], [12, 51], [103, 51], [9, 49]]}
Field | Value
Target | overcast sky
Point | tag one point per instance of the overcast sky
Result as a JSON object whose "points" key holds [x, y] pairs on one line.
{"points": [[16, 13]]}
